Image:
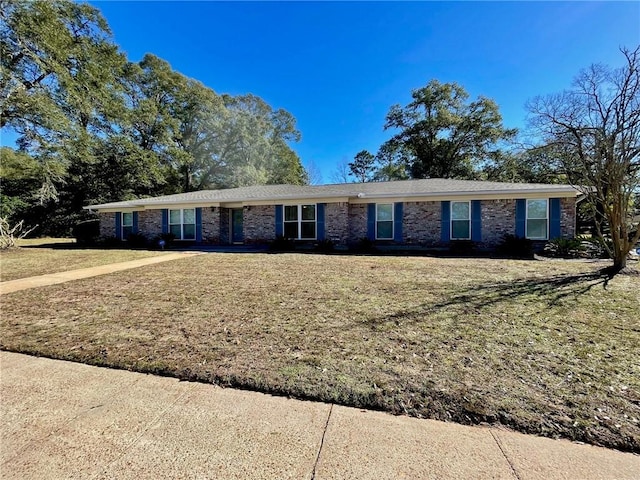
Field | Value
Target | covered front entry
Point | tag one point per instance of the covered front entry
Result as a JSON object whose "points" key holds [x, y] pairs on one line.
{"points": [[237, 226]]}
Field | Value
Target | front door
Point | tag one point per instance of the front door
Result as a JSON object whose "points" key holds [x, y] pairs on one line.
{"points": [[237, 228]]}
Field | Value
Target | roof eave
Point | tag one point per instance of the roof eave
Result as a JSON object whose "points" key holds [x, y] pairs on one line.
{"points": [[505, 193]]}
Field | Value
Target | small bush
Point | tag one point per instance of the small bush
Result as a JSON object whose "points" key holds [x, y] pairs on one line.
{"points": [[137, 240], [513, 246], [565, 248], [594, 247], [324, 246], [462, 247], [87, 232], [282, 244], [365, 245]]}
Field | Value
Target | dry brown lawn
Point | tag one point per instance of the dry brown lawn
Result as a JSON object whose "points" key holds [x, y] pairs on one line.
{"points": [[539, 346], [30, 261]]}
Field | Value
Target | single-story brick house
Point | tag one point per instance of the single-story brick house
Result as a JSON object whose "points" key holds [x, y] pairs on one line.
{"points": [[429, 213]]}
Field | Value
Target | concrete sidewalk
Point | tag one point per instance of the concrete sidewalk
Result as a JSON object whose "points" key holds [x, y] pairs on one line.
{"points": [[63, 420], [62, 277]]}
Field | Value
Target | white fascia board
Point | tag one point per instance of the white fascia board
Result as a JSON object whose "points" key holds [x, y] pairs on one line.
{"points": [[479, 195], [293, 200], [106, 208], [155, 206], [99, 209], [177, 205]]}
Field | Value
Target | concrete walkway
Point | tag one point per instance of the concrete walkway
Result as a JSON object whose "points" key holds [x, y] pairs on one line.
{"points": [[61, 277], [62, 420]]}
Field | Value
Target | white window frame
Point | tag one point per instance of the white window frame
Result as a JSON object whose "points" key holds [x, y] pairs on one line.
{"points": [[393, 213], [299, 221], [526, 219], [451, 220], [182, 224], [123, 225]]}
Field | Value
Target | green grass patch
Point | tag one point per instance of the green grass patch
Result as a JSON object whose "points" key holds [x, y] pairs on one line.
{"points": [[539, 346]]}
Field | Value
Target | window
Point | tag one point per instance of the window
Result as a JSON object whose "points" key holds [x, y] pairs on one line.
{"points": [[460, 221], [384, 221], [537, 219], [300, 222], [127, 224], [182, 223]]}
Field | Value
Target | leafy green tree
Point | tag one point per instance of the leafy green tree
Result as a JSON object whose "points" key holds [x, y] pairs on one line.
{"points": [[21, 177], [393, 160], [443, 134], [177, 121], [592, 132], [61, 94], [95, 128], [151, 88], [29, 187], [254, 147], [527, 166], [363, 166], [286, 168], [49, 52]]}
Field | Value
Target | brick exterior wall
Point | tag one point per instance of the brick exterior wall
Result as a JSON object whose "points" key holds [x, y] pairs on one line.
{"points": [[107, 224], [150, 223], [336, 222], [421, 223], [357, 222], [225, 238], [259, 223], [568, 217], [211, 225], [347, 223], [498, 220]]}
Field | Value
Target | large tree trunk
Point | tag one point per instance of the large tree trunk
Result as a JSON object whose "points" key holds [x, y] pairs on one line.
{"points": [[619, 261]]}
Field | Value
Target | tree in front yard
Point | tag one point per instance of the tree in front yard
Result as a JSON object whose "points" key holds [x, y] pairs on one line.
{"points": [[593, 130]]}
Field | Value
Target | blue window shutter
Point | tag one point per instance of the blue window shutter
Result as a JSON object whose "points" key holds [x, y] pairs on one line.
{"points": [[554, 218], [476, 220], [320, 220], [521, 217], [371, 221], [397, 222], [445, 218], [119, 225], [279, 225], [198, 224], [165, 220], [135, 222]]}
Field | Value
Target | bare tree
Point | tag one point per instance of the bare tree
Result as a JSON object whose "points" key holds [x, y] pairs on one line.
{"points": [[341, 172], [593, 129], [314, 175], [10, 234]]}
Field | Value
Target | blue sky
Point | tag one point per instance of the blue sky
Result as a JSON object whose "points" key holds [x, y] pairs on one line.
{"points": [[338, 67]]}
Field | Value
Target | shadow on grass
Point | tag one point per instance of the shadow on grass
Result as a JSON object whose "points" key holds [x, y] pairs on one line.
{"points": [[55, 246], [548, 291]]}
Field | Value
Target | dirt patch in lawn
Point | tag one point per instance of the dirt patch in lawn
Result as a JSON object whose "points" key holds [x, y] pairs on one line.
{"points": [[29, 261], [541, 347]]}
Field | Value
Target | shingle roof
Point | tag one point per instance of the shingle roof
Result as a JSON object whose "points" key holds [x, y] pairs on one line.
{"points": [[404, 188]]}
